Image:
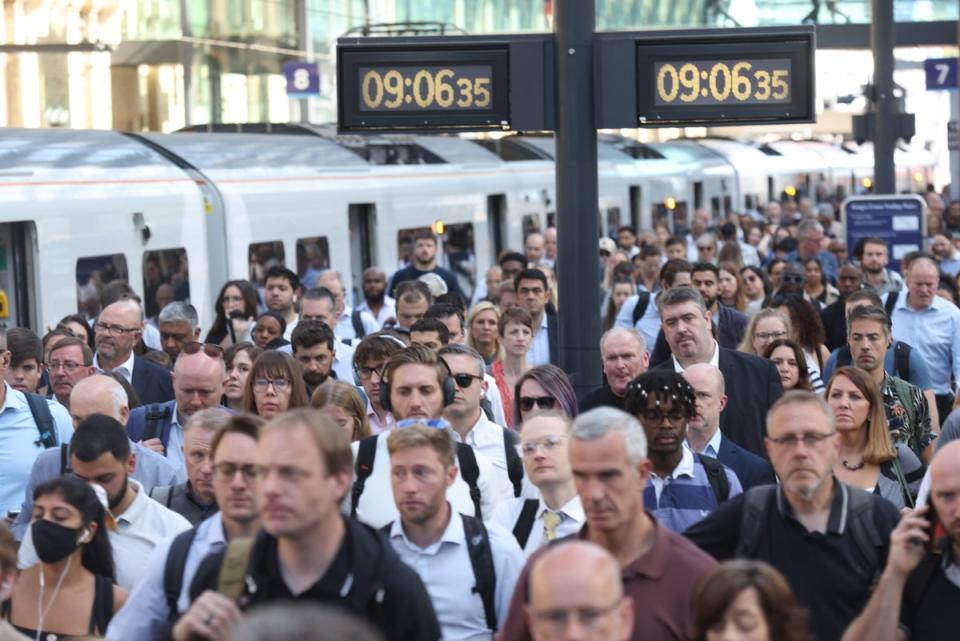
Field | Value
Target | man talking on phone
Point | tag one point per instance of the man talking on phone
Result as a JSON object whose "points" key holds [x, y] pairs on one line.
{"points": [[919, 589]]}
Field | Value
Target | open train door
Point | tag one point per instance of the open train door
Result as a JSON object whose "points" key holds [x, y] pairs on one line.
{"points": [[18, 283]]}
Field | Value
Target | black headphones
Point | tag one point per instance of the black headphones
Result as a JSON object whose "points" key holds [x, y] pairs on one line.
{"points": [[447, 386]]}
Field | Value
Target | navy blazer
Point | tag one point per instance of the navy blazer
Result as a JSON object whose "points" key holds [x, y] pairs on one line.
{"points": [[752, 386], [153, 383], [750, 468], [730, 329]]}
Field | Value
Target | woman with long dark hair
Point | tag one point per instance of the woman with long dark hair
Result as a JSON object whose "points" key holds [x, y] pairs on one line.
{"points": [[236, 309], [71, 591], [239, 359], [807, 331]]}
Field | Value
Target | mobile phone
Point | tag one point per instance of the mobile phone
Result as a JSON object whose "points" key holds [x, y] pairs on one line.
{"points": [[923, 498], [12, 515]]}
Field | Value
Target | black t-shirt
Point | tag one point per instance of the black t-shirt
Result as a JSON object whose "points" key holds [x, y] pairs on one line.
{"points": [[929, 611], [412, 273], [603, 396], [825, 570]]}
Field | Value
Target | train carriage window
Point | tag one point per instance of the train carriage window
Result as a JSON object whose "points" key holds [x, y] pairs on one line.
{"points": [[263, 256], [531, 224], [313, 256], [166, 278], [93, 272]]}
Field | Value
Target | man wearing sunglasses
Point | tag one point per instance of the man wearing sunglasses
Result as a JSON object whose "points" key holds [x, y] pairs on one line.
{"points": [[470, 423], [418, 386], [197, 384], [829, 540], [157, 600]]}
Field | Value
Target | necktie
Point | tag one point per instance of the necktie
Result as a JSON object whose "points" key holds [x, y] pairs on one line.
{"points": [[550, 522]]}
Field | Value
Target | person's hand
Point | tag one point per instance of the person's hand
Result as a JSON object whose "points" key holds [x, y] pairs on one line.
{"points": [[154, 444], [209, 617], [907, 542]]}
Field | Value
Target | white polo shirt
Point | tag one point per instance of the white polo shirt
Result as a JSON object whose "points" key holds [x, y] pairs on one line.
{"points": [[447, 573]]}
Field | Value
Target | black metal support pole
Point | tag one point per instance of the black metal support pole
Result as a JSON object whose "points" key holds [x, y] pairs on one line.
{"points": [[884, 131], [576, 166]]}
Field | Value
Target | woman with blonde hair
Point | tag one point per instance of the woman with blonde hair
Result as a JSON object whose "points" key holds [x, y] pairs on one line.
{"points": [[341, 402], [764, 327], [868, 458], [482, 335]]}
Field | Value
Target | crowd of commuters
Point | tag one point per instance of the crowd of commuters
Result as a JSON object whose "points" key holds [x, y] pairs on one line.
{"points": [[764, 460]]}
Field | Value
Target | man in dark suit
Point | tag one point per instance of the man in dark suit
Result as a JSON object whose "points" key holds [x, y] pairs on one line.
{"points": [[729, 325], [754, 382], [703, 430], [116, 332], [533, 294]]}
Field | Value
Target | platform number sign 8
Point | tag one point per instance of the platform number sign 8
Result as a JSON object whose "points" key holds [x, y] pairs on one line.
{"points": [[302, 78]]}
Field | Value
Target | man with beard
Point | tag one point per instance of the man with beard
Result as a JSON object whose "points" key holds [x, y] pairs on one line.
{"points": [[874, 256], [424, 261], [314, 348], [683, 487], [443, 545], [375, 299], [100, 453], [829, 540]]}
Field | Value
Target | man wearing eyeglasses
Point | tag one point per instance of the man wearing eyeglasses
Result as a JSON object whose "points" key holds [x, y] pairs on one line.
{"points": [[828, 539], [557, 512], [70, 361], [371, 356], [116, 333], [470, 423], [157, 600], [198, 384], [579, 580]]}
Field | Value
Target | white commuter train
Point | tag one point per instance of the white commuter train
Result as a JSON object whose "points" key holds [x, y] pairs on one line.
{"points": [[78, 208]]}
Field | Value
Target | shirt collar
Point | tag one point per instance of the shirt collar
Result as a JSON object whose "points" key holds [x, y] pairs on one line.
{"points": [[713, 443], [684, 467], [714, 360], [13, 399], [839, 508], [572, 509], [936, 304], [126, 365], [452, 534], [652, 564], [137, 507]]}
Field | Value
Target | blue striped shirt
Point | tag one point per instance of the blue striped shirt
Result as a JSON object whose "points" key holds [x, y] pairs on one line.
{"points": [[683, 498]]}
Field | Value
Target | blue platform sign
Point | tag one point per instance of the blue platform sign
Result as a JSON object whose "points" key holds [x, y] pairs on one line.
{"points": [[898, 220], [941, 73], [303, 79]]}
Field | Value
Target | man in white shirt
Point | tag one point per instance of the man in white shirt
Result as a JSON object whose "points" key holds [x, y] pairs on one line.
{"points": [[345, 328], [471, 425], [375, 300], [445, 548], [558, 512], [148, 607], [416, 385], [100, 453]]}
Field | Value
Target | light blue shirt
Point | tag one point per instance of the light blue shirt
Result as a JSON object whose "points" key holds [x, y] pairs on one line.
{"points": [[20, 444], [539, 351], [713, 446], [935, 333], [174, 452], [649, 323], [145, 611]]}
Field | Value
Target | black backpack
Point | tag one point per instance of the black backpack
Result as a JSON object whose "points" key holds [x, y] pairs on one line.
{"points": [[481, 559], [717, 478], [524, 524], [367, 452], [759, 500], [156, 415], [358, 329], [43, 419], [643, 301], [173, 570], [514, 463]]}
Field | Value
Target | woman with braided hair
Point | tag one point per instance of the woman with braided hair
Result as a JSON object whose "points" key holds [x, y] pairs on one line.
{"points": [[682, 487]]}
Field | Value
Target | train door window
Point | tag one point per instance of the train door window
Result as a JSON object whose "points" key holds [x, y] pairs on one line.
{"points": [[748, 202], [313, 256], [715, 207], [613, 221], [460, 255], [727, 205], [551, 219], [166, 278], [497, 215], [93, 272], [363, 220], [263, 256], [531, 223], [636, 203], [697, 195], [771, 196]]}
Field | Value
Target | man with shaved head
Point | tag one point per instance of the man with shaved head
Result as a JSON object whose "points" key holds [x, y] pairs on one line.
{"points": [[97, 394], [567, 582], [197, 384], [625, 357], [703, 430], [919, 589], [115, 334], [534, 248]]}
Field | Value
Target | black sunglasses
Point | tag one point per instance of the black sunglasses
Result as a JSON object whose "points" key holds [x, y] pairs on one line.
{"points": [[211, 350], [464, 380], [542, 402]]}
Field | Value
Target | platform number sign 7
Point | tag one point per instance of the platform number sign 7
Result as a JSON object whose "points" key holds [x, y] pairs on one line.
{"points": [[941, 73]]}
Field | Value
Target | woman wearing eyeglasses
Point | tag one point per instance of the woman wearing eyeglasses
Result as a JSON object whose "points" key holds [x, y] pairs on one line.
{"points": [[70, 593], [544, 388], [341, 402], [764, 327], [868, 458], [516, 333], [239, 360], [274, 385]]}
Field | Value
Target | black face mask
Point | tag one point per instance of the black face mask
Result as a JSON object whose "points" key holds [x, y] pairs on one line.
{"points": [[54, 542]]}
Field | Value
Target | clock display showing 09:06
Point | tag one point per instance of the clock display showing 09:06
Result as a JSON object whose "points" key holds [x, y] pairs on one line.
{"points": [[426, 88], [699, 83]]}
